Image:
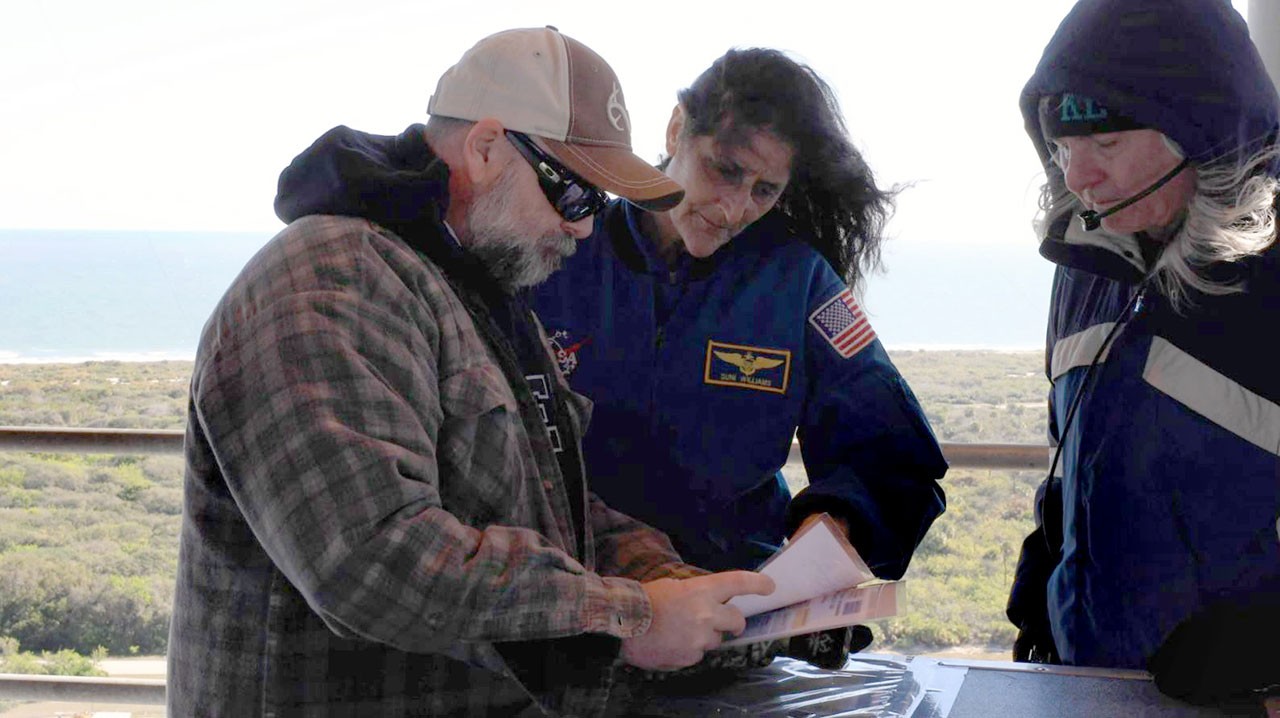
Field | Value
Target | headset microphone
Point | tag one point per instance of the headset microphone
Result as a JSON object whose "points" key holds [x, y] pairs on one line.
{"points": [[1093, 220]]}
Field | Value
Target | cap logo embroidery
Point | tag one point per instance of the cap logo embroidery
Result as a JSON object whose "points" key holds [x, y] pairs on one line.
{"points": [[617, 111], [1081, 109]]}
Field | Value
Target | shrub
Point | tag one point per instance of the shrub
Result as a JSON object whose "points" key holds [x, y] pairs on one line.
{"points": [[59, 663]]}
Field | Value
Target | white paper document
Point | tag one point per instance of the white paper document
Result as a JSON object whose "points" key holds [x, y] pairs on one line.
{"points": [[816, 561], [845, 607], [821, 582]]}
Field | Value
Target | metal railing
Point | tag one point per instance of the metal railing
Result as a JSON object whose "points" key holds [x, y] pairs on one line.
{"points": [[79, 689], [1031, 457], [131, 441], [89, 441]]}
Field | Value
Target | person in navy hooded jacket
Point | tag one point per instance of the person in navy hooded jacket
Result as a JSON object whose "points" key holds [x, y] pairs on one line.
{"points": [[1158, 537], [711, 335]]}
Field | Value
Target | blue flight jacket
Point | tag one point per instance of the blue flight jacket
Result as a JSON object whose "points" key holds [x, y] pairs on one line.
{"points": [[701, 375]]}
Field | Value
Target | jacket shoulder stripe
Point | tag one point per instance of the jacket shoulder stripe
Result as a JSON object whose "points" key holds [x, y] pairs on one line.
{"points": [[1078, 349], [1212, 395]]}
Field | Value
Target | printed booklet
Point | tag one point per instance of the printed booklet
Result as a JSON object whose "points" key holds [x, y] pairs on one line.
{"points": [[822, 583]]}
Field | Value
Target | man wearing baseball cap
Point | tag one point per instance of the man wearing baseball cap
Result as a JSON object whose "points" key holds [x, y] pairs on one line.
{"points": [[385, 510]]}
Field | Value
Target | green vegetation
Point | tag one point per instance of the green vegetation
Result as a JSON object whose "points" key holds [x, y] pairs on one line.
{"points": [[60, 663], [88, 543], [959, 579], [115, 395], [960, 575], [979, 397]]}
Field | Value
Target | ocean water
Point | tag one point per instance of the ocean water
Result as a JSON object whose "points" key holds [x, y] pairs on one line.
{"points": [[79, 295], [74, 295], [961, 295]]}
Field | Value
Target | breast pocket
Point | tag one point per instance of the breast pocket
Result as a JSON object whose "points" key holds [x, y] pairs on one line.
{"points": [[482, 449]]}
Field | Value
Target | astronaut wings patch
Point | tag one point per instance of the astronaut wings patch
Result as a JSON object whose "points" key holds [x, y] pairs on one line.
{"points": [[842, 323]]}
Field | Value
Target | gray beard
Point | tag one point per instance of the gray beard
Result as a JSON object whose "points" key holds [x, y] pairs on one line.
{"points": [[504, 247]]}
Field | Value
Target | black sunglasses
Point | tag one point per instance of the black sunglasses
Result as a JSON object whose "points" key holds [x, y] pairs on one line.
{"points": [[572, 196]]}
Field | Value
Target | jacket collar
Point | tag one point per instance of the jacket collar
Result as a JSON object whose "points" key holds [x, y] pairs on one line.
{"points": [[621, 224], [1115, 256], [640, 252]]}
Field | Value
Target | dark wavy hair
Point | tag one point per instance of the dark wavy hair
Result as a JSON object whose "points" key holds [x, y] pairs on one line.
{"points": [[832, 201]]}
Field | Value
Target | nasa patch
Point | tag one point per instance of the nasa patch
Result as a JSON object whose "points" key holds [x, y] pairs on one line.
{"points": [[565, 351]]}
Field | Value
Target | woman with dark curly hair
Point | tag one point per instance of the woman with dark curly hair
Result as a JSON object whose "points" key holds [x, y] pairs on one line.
{"points": [[711, 335]]}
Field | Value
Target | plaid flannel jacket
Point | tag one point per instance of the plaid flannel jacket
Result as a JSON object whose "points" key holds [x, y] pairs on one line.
{"points": [[375, 523]]}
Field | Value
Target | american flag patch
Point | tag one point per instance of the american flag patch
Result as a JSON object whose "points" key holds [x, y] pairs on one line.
{"points": [[841, 322]]}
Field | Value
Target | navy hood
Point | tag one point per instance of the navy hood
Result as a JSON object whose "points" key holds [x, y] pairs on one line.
{"points": [[1184, 67], [395, 181]]}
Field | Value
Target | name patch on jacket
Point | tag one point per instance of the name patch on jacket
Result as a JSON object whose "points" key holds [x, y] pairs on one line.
{"points": [[841, 322], [748, 367]]}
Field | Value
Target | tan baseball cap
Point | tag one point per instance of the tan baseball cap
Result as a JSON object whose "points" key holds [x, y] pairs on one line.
{"points": [[541, 82]]}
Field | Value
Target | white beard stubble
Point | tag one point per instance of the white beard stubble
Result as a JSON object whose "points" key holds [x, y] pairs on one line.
{"points": [[501, 241]]}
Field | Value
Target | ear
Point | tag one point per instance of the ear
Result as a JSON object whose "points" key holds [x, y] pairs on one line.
{"points": [[674, 127], [483, 158]]}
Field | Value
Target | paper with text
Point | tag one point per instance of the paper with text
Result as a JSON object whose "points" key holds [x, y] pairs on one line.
{"points": [[816, 561], [841, 608]]}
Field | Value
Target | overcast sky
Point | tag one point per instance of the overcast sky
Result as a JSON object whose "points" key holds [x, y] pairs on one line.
{"points": [[158, 114]]}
